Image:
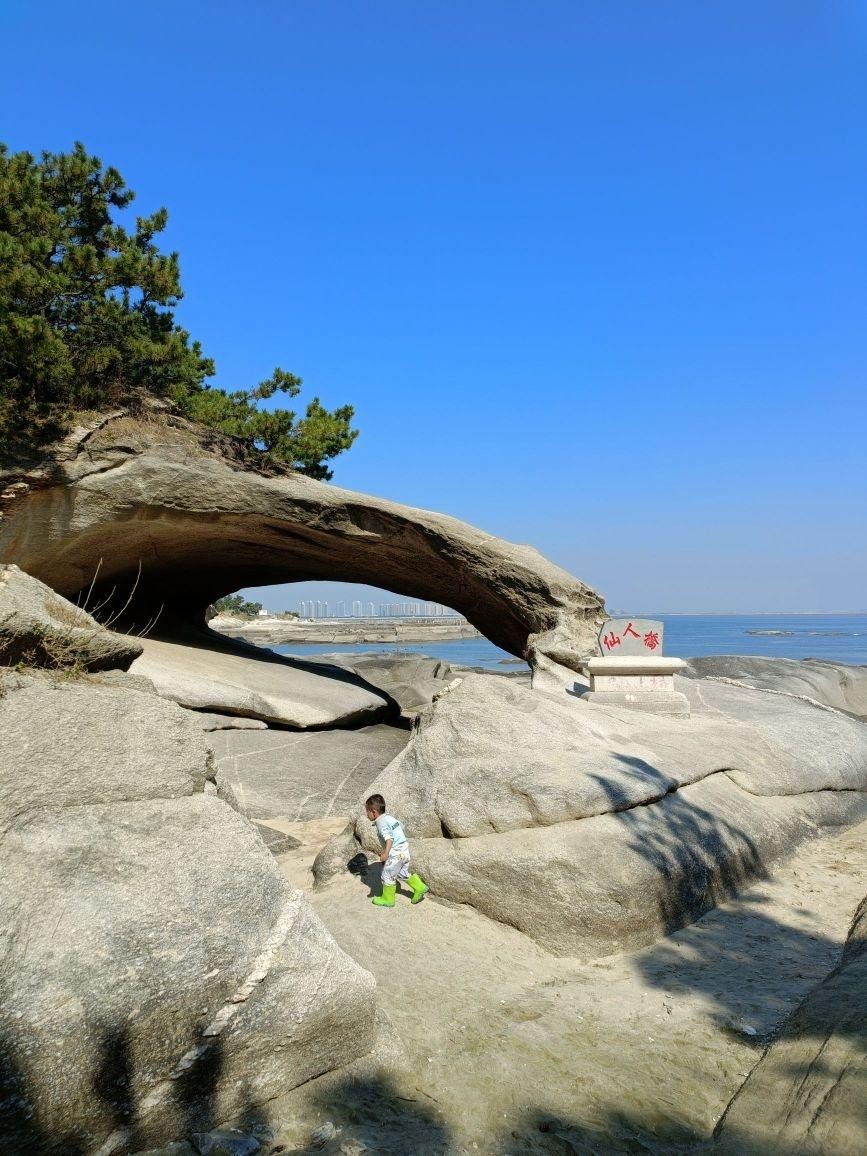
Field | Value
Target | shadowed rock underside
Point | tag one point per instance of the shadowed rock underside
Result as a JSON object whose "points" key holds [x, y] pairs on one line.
{"points": [[151, 519]]}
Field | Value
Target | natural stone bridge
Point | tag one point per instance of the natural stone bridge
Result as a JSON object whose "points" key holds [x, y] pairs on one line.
{"points": [[155, 517]]}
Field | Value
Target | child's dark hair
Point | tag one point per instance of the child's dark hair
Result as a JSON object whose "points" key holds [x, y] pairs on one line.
{"points": [[376, 803]]}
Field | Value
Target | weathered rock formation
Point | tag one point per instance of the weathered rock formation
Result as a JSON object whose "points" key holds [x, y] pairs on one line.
{"points": [[593, 830], [212, 721], [321, 773], [300, 776], [38, 628], [412, 680], [259, 685], [830, 683], [808, 1093], [157, 972], [162, 524]]}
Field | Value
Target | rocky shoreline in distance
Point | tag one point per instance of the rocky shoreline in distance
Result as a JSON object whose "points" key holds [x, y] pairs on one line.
{"points": [[284, 631]]}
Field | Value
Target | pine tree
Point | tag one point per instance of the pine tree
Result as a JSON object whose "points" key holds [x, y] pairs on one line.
{"points": [[87, 319]]}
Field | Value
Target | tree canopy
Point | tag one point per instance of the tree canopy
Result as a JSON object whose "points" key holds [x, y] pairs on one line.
{"points": [[236, 604], [87, 319]]}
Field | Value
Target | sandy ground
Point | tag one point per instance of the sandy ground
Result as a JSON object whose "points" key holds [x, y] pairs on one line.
{"points": [[491, 1045]]}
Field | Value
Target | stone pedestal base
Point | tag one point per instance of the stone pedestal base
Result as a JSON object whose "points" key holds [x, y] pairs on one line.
{"points": [[637, 683]]}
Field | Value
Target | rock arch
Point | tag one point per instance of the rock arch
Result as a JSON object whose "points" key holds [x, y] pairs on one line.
{"points": [[155, 507]]}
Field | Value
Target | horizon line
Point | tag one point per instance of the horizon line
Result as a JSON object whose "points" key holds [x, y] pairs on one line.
{"points": [[741, 613]]}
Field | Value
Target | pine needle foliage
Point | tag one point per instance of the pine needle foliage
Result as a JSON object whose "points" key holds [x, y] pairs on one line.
{"points": [[87, 320]]}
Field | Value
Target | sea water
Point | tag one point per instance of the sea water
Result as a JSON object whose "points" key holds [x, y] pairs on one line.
{"points": [[834, 637]]}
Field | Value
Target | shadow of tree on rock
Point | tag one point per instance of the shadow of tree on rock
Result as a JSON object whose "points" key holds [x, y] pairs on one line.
{"points": [[619, 1134], [190, 1107], [21, 1129], [113, 1082], [373, 1114], [700, 858]]}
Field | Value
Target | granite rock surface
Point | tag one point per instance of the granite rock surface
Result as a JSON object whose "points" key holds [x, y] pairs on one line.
{"points": [[39, 627], [187, 524], [302, 775], [146, 933], [595, 830], [808, 1092], [412, 680], [835, 684], [259, 685]]}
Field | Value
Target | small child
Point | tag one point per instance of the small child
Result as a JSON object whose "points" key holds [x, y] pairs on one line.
{"points": [[394, 857]]}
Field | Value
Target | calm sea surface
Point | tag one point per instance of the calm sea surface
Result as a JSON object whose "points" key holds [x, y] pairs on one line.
{"points": [[836, 637]]}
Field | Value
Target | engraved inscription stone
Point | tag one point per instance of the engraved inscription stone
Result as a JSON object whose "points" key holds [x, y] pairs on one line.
{"points": [[631, 637]]}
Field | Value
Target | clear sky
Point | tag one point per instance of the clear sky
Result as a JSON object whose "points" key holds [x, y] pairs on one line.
{"points": [[594, 275]]}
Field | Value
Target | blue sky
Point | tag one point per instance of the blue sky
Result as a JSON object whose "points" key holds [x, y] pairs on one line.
{"points": [[593, 275]]}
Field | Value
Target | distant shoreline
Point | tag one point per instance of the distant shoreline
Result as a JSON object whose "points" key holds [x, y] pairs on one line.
{"points": [[283, 631]]}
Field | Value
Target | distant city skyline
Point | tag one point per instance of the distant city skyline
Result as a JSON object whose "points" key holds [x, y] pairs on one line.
{"points": [[315, 608], [290, 596]]}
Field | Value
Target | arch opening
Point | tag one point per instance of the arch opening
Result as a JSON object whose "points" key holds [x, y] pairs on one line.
{"points": [[153, 542], [301, 620]]}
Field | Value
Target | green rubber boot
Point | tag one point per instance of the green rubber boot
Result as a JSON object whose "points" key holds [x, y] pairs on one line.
{"points": [[418, 887], [387, 897]]}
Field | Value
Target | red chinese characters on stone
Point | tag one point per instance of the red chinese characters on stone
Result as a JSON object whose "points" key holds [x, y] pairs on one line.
{"points": [[631, 636]]}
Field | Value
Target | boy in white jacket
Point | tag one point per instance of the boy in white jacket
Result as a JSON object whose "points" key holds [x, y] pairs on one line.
{"points": [[394, 856]]}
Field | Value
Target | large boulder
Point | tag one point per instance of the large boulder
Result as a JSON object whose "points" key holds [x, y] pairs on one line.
{"points": [[414, 681], [808, 1092], [834, 684], [157, 972], [73, 744], [187, 524], [306, 776], [260, 685], [492, 757], [39, 628], [595, 829]]}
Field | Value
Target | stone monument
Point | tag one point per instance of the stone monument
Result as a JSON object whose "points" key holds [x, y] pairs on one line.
{"points": [[631, 670]]}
